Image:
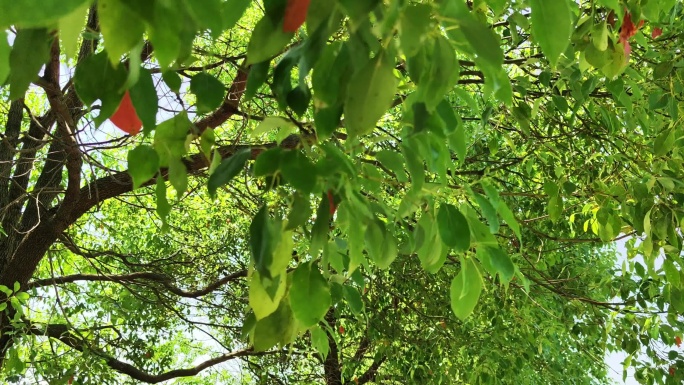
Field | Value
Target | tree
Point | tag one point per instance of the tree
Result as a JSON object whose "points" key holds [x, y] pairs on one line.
{"points": [[340, 191]]}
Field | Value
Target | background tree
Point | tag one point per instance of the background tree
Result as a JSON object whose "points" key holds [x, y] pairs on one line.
{"points": [[340, 191]]}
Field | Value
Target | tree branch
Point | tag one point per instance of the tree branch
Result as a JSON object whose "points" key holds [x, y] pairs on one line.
{"points": [[133, 277], [372, 371], [331, 365], [61, 333]]}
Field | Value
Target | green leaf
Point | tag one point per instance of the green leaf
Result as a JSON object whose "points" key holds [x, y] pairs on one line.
{"points": [[319, 340], [267, 41], [232, 11], [172, 79], [70, 28], [319, 231], [248, 325], [121, 28], [261, 241], [671, 273], [258, 73], [170, 139], [299, 171], [299, 213], [330, 74], [455, 131], [169, 29], [208, 90], [441, 75], [453, 227], [282, 253], [31, 50], [309, 295], [413, 28], [36, 13], [298, 99], [353, 298], [501, 263], [327, 121], [22, 296], [393, 161], [260, 300], [431, 251], [270, 123], [143, 164], [207, 15], [144, 98], [599, 35], [552, 27], [370, 94], [381, 244], [268, 162], [357, 10], [555, 207], [509, 218], [163, 206], [489, 212], [95, 78], [178, 176], [278, 328], [4, 58], [595, 57], [414, 163], [501, 207], [616, 61], [480, 39], [6, 290], [228, 169], [465, 290], [207, 142], [664, 142]]}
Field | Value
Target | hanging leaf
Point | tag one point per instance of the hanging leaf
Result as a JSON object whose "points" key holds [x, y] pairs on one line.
{"points": [[319, 340], [453, 227], [260, 299], [143, 164], [309, 295], [552, 27], [370, 94], [208, 90], [279, 327], [30, 52], [121, 28], [4, 58], [267, 41], [465, 290], [95, 78], [228, 169], [144, 97], [41, 12]]}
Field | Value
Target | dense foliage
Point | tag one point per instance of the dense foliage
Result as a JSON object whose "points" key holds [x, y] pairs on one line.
{"points": [[338, 192]]}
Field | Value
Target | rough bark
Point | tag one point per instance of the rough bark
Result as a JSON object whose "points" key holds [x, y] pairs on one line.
{"points": [[331, 366]]}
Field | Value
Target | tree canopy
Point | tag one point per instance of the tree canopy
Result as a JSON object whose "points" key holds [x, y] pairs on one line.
{"points": [[340, 191]]}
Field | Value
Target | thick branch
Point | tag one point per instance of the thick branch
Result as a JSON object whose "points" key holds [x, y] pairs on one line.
{"points": [[331, 366], [372, 371], [230, 103], [147, 276], [61, 333]]}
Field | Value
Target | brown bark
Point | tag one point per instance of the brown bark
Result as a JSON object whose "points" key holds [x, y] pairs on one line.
{"points": [[331, 366]]}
